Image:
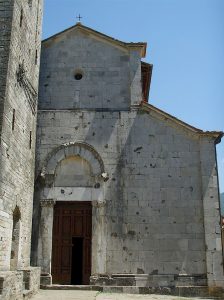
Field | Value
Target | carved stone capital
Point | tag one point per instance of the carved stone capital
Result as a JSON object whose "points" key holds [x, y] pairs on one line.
{"points": [[98, 204], [47, 202]]}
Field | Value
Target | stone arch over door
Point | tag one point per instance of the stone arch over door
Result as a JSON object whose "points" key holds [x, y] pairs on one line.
{"points": [[68, 158], [81, 149]]}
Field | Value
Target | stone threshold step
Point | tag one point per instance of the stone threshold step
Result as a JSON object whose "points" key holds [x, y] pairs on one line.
{"points": [[155, 290], [183, 291], [72, 287]]}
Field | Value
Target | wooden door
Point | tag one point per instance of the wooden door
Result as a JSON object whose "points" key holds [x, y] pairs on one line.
{"points": [[71, 247]]}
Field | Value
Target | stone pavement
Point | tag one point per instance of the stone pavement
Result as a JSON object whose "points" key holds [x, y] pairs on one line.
{"points": [[92, 295], [65, 295]]}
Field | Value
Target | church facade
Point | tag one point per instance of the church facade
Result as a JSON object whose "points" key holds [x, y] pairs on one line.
{"points": [[122, 193], [125, 193]]}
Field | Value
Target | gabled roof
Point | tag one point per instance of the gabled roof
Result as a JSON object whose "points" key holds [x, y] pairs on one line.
{"points": [[216, 135], [141, 45]]}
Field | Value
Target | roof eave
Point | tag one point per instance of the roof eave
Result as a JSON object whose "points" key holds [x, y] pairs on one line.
{"points": [[141, 45]]}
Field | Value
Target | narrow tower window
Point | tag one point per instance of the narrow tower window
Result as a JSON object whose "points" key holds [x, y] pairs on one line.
{"points": [[36, 57], [13, 119], [15, 239], [21, 18], [30, 139]]}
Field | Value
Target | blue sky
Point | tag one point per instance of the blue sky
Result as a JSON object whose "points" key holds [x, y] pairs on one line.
{"points": [[185, 45]]}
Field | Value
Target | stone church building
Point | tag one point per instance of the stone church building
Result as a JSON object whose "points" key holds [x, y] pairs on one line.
{"points": [[115, 191]]}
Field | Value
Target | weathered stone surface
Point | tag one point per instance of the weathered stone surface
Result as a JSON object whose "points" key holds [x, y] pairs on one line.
{"points": [[159, 213], [19, 284], [20, 23], [106, 75], [162, 211], [152, 180]]}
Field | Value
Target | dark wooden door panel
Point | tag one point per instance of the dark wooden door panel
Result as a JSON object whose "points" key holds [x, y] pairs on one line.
{"points": [[72, 220], [78, 226]]}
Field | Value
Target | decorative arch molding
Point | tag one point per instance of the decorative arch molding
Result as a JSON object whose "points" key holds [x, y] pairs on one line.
{"points": [[82, 149]]}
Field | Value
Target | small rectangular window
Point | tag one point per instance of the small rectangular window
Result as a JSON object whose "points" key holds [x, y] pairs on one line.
{"points": [[36, 57], [30, 139], [21, 18], [13, 119]]}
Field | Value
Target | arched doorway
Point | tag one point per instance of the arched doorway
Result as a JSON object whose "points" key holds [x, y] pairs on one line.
{"points": [[72, 203], [72, 224]]}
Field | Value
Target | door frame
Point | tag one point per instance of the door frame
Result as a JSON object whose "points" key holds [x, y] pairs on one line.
{"points": [[72, 211], [99, 230]]}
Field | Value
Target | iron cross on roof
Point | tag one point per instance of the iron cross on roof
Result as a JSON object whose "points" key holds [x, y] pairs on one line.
{"points": [[79, 17]]}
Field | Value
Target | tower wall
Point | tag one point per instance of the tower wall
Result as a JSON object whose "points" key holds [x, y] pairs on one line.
{"points": [[19, 64], [6, 11]]}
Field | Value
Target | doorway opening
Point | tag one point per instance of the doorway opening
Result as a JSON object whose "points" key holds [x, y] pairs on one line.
{"points": [[77, 261], [71, 245]]}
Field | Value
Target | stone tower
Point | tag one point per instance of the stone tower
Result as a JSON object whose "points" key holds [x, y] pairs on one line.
{"points": [[20, 43]]}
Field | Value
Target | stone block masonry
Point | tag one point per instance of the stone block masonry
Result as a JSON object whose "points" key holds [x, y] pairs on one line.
{"points": [[20, 284], [154, 213], [155, 219], [152, 218], [20, 43], [6, 11]]}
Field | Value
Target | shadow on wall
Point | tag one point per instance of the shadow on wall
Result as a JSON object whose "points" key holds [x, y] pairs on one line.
{"points": [[222, 203], [153, 207]]}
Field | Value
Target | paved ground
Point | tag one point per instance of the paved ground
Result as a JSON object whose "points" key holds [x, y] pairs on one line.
{"points": [[65, 295], [87, 295]]}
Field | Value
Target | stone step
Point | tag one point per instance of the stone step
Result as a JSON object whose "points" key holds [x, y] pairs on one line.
{"points": [[27, 294], [152, 280], [72, 287], [182, 281], [187, 291], [183, 291]]}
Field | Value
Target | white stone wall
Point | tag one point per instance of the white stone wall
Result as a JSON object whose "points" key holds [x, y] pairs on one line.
{"points": [[153, 197], [17, 159], [109, 71], [155, 216], [212, 217]]}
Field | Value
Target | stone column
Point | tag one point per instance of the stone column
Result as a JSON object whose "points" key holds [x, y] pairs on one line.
{"points": [[45, 240], [98, 238], [211, 205]]}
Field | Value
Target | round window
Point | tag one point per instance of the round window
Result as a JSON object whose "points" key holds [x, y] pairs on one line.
{"points": [[78, 76]]}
